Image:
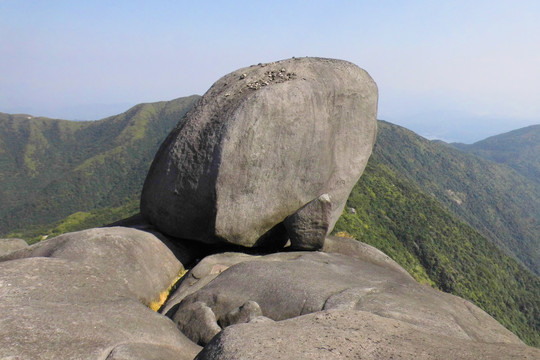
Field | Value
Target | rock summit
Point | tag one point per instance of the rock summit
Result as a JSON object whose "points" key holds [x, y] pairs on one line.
{"points": [[265, 143], [269, 154]]}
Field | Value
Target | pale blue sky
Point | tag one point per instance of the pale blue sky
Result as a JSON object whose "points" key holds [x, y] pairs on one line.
{"points": [[442, 67]]}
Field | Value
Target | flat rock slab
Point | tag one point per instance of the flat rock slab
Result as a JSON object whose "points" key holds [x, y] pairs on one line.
{"points": [[350, 334], [292, 284], [262, 143], [84, 295]]}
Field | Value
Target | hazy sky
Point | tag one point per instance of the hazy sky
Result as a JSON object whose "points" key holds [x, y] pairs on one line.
{"points": [[444, 68]]}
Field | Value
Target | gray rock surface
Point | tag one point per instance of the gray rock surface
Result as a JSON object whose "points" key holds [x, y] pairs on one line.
{"points": [[85, 295], [135, 258], [307, 228], [187, 252], [146, 352], [12, 244], [263, 142], [205, 271], [362, 251], [288, 285], [244, 314], [346, 334]]}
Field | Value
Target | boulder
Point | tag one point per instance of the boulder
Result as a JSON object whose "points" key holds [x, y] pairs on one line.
{"points": [[187, 252], [146, 352], [307, 228], [12, 244], [345, 334], [87, 295], [203, 273], [288, 285], [135, 258], [362, 251], [262, 143]]}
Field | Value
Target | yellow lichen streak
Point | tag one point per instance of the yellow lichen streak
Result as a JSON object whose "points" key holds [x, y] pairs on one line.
{"points": [[156, 304]]}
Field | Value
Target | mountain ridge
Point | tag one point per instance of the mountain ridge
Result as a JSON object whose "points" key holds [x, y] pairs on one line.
{"points": [[499, 202], [61, 164], [393, 214], [518, 149]]}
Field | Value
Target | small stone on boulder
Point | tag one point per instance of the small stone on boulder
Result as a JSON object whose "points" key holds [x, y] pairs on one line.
{"points": [[245, 313]]}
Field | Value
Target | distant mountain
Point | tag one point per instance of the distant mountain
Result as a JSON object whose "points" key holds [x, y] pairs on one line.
{"points": [[50, 168], [455, 126], [76, 112], [518, 149], [499, 202]]}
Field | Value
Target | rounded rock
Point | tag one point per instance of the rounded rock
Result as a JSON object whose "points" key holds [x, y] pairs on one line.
{"points": [[235, 167]]}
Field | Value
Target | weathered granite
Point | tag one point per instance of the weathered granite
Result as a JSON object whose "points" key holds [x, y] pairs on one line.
{"points": [[288, 285], [85, 295], [11, 244], [263, 142], [307, 228], [351, 334]]}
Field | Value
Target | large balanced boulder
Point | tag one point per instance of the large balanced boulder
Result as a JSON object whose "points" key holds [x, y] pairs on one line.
{"points": [[87, 295], [261, 145]]}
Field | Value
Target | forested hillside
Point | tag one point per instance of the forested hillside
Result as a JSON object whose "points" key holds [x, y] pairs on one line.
{"points": [[519, 149], [50, 168], [497, 201], [388, 211]]}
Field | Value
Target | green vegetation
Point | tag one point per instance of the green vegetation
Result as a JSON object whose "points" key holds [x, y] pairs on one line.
{"points": [[437, 248], [518, 149], [498, 202], [163, 296], [50, 169], [77, 221]]}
